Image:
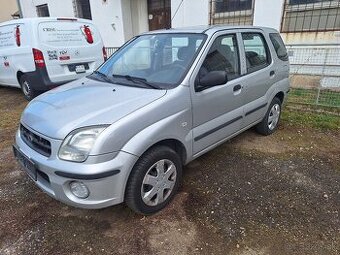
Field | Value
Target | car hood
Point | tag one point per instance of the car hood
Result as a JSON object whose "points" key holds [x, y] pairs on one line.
{"points": [[84, 103]]}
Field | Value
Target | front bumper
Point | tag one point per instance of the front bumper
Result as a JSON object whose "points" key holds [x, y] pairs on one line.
{"points": [[105, 179]]}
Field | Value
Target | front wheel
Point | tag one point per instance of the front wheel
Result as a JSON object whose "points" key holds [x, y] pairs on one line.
{"points": [[271, 120], [27, 89], [154, 180]]}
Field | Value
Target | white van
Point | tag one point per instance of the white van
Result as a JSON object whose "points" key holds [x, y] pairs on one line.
{"points": [[38, 54]]}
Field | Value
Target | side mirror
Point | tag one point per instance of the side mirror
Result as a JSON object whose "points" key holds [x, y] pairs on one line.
{"points": [[212, 79]]}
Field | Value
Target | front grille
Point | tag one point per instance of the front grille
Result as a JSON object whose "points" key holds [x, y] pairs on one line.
{"points": [[36, 142]]}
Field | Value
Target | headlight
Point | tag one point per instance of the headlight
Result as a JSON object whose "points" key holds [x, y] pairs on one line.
{"points": [[78, 144]]}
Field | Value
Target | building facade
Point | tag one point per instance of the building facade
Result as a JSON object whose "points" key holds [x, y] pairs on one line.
{"points": [[9, 10], [299, 21]]}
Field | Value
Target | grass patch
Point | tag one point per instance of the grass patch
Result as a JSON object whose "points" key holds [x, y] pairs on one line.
{"points": [[309, 119], [309, 96]]}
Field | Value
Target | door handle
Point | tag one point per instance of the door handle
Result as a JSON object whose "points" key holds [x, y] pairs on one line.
{"points": [[272, 73], [237, 87]]}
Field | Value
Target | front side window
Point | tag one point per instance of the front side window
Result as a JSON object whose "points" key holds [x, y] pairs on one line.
{"points": [[222, 56], [256, 50], [42, 10], [158, 59]]}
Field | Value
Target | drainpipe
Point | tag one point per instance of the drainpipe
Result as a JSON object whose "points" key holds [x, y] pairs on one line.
{"points": [[19, 7]]}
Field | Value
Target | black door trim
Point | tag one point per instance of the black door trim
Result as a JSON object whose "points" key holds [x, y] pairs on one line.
{"points": [[256, 109], [217, 128]]}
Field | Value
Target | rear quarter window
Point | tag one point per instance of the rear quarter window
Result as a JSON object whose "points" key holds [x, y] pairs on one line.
{"points": [[279, 46], [69, 33]]}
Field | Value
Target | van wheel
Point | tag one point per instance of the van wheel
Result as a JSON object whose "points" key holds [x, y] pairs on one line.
{"points": [[271, 120], [154, 180], [27, 89]]}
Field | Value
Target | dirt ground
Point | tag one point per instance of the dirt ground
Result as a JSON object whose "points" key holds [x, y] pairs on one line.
{"points": [[253, 195]]}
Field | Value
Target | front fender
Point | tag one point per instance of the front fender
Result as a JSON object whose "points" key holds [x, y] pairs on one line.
{"points": [[172, 127]]}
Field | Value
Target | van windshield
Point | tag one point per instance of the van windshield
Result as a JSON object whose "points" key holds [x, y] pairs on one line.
{"points": [[157, 60]]}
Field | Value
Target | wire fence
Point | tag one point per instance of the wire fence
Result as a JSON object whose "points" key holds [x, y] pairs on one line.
{"points": [[315, 74]]}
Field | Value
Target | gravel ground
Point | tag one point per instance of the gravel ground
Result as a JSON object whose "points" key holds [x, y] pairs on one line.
{"points": [[253, 195]]}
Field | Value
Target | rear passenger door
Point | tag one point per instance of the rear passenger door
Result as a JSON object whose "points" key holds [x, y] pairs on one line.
{"points": [[258, 75]]}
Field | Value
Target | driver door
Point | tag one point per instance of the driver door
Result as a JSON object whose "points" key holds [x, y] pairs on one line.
{"points": [[218, 109]]}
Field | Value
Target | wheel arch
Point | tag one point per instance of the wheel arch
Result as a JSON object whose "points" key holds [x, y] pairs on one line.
{"points": [[281, 96], [19, 75], [174, 144]]}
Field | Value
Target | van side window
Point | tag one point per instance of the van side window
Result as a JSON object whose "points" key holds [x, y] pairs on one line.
{"points": [[279, 46], [256, 50], [222, 56]]}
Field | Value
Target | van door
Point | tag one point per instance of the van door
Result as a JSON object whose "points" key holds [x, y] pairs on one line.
{"points": [[218, 110], [258, 75], [8, 52], [71, 48]]}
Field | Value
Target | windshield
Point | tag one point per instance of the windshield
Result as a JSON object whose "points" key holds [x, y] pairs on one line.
{"points": [[158, 60]]}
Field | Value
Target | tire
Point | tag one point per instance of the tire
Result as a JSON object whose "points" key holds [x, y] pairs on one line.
{"points": [[27, 89], [272, 118], [149, 181]]}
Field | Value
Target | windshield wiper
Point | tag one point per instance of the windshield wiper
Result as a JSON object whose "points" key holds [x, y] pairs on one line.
{"points": [[103, 76], [136, 80]]}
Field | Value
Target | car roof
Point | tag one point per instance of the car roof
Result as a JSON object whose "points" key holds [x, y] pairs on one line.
{"points": [[39, 19], [210, 29]]}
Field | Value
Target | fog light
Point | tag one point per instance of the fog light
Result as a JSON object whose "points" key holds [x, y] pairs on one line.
{"points": [[79, 189]]}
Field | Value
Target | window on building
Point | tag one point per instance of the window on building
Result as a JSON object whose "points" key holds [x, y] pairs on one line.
{"points": [[42, 10], [257, 53], [311, 15], [82, 9], [232, 12]]}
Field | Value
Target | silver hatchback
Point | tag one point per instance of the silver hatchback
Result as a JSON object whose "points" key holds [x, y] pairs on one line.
{"points": [[166, 97]]}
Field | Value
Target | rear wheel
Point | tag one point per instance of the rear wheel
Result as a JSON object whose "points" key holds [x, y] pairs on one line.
{"points": [[271, 120], [154, 180], [27, 89]]}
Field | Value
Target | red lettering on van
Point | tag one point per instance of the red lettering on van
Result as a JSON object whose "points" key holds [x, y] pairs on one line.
{"points": [[64, 58]]}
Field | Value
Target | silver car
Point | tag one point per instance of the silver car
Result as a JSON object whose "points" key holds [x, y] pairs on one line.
{"points": [[166, 97]]}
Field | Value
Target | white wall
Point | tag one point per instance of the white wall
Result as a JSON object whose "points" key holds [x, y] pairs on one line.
{"points": [[109, 19], [190, 13], [106, 15], [268, 13]]}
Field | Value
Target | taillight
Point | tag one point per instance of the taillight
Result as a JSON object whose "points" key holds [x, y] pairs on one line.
{"points": [[88, 34], [17, 36], [38, 58], [104, 54]]}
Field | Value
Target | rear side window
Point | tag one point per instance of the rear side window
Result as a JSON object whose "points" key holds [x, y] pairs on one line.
{"points": [[256, 50], [279, 47]]}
